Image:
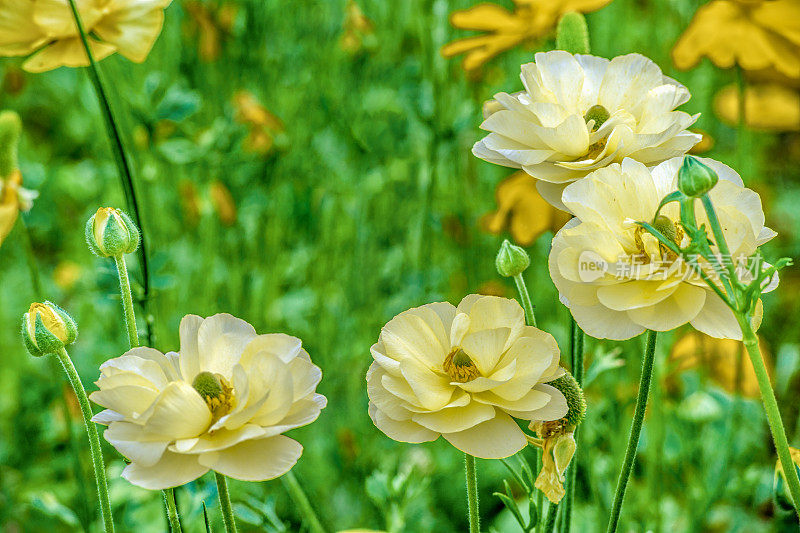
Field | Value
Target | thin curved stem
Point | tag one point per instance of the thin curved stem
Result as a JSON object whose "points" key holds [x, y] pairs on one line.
{"points": [[127, 300], [225, 503], [118, 149], [94, 440], [636, 430], [525, 297], [172, 510], [297, 493], [576, 362], [776, 427], [472, 494], [30, 256]]}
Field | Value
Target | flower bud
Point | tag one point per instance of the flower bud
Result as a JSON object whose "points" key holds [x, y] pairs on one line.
{"points": [[511, 260], [10, 129], [696, 178], [46, 328], [576, 403], [572, 34], [110, 233]]}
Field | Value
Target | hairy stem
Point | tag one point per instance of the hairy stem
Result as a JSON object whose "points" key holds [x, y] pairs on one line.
{"points": [[172, 510], [636, 430], [771, 408], [225, 503], [127, 300], [525, 297], [94, 440], [472, 494]]}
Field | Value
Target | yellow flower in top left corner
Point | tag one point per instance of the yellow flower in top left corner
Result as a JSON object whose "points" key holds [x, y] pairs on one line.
{"points": [[464, 373], [47, 27], [221, 403]]}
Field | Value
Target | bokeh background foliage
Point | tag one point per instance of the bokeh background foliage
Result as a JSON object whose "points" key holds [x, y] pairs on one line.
{"points": [[355, 199]]}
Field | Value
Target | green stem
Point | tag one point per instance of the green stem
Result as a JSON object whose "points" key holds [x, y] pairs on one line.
{"points": [[172, 510], [750, 342], [550, 521], [636, 430], [127, 300], [472, 494], [719, 237], [118, 149], [133, 342], [297, 493], [30, 256], [225, 503], [94, 440], [576, 362], [525, 297]]}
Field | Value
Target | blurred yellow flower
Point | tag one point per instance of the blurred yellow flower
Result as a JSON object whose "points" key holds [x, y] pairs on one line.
{"points": [[47, 28], [720, 359], [769, 107], [522, 211], [618, 281], [706, 144], [223, 202], [357, 28], [66, 274], [464, 373], [222, 403], [579, 113], [754, 35], [263, 125], [211, 22], [505, 29]]}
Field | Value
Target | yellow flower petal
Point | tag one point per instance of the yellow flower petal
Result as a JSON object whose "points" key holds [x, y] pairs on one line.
{"points": [[19, 34], [132, 27], [66, 53]]}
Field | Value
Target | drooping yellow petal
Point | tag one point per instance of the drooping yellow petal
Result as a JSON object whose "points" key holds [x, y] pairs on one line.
{"points": [[66, 53], [19, 34], [132, 27]]}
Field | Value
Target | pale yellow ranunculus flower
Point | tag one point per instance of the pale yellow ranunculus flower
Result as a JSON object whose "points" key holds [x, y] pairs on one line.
{"points": [[221, 403], [615, 277], [754, 35], [464, 373], [579, 113], [47, 29]]}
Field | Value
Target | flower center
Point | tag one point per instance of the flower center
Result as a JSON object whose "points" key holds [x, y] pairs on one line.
{"points": [[670, 230], [596, 116], [216, 392], [460, 367]]}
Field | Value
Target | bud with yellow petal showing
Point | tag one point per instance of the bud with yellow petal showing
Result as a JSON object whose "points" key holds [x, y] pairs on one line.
{"points": [[111, 233], [46, 328], [511, 260]]}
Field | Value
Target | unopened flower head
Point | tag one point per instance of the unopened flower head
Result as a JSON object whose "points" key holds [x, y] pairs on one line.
{"points": [[464, 373], [46, 328], [222, 403], [110, 232], [10, 130], [696, 178], [579, 113], [47, 30], [511, 260], [619, 280]]}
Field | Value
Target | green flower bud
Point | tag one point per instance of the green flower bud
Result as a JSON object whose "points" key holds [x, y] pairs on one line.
{"points": [[46, 328], [597, 113], [572, 34], [576, 402], [110, 233], [10, 129], [696, 178], [511, 260]]}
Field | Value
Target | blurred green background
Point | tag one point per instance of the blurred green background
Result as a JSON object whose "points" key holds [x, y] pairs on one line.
{"points": [[367, 202]]}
